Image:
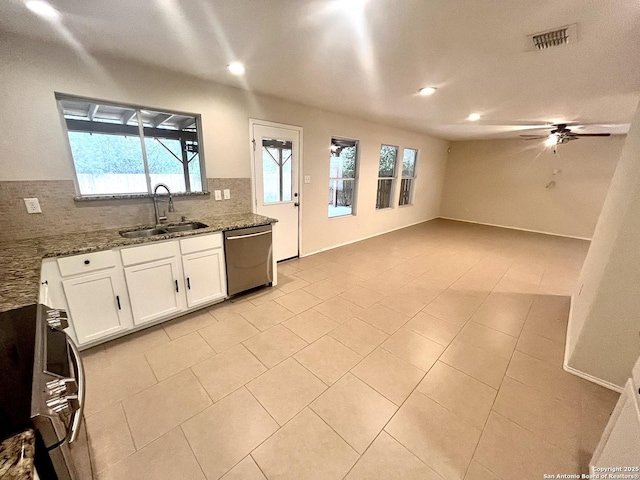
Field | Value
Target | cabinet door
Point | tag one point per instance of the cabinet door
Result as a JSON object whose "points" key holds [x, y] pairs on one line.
{"points": [[155, 290], [204, 276], [98, 305]]}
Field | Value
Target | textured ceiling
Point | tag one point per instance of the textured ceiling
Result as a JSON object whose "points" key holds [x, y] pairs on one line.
{"points": [[371, 62]]}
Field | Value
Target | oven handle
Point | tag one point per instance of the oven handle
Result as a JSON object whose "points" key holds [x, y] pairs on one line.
{"points": [[77, 415]]}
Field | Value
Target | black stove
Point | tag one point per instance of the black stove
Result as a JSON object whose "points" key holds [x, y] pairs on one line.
{"points": [[17, 347], [42, 387]]}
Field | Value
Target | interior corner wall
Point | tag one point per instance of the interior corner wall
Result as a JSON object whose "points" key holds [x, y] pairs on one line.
{"points": [[508, 183], [33, 147], [603, 338]]}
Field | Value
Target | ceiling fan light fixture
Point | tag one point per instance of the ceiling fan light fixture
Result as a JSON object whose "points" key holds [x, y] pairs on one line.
{"points": [[426, 91], [236, 68], [552, 140], [474, 117]]}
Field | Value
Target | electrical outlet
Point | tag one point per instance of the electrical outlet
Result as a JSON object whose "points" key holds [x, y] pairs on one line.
{"points": [[33, 206], [217, 194], [227, 194], [307, 179]]}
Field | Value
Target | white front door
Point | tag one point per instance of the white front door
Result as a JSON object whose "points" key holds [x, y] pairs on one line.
{"points": [[276, 160]]}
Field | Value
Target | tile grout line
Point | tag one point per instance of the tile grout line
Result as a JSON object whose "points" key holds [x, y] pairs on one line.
{"points": [[438, 359], [497, 393], [192, 450]]}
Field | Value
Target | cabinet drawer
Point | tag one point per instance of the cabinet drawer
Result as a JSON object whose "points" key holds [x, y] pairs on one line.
{"points": [[89, 262], [200, 242], [149, 253]]}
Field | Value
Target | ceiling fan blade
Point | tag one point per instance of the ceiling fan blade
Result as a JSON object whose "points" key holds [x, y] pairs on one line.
{"points": [[533, 137], [591, 134]]}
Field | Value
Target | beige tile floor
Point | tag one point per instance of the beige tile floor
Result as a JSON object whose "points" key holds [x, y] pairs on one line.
{"points": [[433, 352]]}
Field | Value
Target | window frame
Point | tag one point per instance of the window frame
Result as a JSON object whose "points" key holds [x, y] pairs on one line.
{"points": [[281, 177], [392, 178], [59, 97], [354, 179], [413, 178]]}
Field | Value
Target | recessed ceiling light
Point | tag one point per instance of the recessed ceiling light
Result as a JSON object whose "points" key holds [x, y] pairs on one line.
{"points": [[426, 91], [42, 8], [474, 117], [236, 68]]}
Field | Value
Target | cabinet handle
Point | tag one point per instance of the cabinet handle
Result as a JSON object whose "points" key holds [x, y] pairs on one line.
{"points": [[177, 291], [188, 284], [87, 262], [118, 300]]}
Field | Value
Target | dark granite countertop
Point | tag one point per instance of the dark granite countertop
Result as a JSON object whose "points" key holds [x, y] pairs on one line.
{"points": [[16, 456], [20, 260]]}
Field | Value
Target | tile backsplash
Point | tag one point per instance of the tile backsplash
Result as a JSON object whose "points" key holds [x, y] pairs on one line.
{"points": [[61, 214]]}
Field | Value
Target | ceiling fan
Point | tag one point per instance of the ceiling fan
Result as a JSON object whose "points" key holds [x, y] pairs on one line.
{"points": [[561, 134]]}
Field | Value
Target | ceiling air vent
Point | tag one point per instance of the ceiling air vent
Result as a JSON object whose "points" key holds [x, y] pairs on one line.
{"points": [[553, 38]]}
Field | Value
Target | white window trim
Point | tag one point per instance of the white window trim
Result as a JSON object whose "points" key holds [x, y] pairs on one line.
{"points": [[393, 178], [413, 178], [80, 196], [354, 178]]}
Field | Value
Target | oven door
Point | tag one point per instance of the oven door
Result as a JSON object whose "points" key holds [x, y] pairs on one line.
{"points": [[72, 459], [58, 404]]}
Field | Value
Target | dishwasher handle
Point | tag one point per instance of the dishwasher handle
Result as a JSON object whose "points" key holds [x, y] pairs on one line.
{"points": [[249, 235]]}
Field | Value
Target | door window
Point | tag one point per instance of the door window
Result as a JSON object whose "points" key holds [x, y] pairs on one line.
{"points": [[277, 173]]}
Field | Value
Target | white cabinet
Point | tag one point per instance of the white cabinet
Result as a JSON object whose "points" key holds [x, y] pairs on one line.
{"points": [[155, 290], [92, 289], [166, 278], [97, 304], [113, 292], [204, 276]]}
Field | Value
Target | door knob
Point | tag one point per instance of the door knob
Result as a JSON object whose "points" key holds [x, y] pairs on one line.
{"points": [[296, 204]]}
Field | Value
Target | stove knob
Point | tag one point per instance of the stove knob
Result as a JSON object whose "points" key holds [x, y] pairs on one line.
{"points": [[62, 386], [64, 403], [57, 319], [59, 404]]}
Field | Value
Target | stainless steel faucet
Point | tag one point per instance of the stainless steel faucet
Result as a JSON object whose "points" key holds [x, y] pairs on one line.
{"points": [[160, 219]]}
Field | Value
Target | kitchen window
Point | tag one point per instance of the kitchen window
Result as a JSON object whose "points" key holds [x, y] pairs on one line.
{"points": [[409, 158], [126, 150], [342, 176], [386, 175]]}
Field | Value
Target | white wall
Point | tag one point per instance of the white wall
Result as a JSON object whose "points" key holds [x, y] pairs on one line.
{"points": [[502, 182], [603, 338], [32, 144]]}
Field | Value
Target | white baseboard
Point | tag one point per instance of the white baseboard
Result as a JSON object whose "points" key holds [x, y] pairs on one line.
{"points": [[306, 254], [578, 373], [591, 378], [515, 228]]}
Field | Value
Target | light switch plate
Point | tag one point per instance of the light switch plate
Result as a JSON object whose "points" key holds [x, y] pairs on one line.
{"points": [[227, 194], [32, 204], [307, 179], [217, 194]]}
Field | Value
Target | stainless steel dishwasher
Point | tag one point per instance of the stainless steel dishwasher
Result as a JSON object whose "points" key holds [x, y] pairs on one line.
{"points": [[249, 258]]}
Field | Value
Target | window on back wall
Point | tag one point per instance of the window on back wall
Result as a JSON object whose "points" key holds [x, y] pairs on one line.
{"points": [[342, 176], [124, 150], [386, 175], [409, 159]]}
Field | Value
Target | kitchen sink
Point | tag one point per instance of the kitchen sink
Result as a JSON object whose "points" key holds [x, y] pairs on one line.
{"points": [[149, 232], [183, 227]]}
